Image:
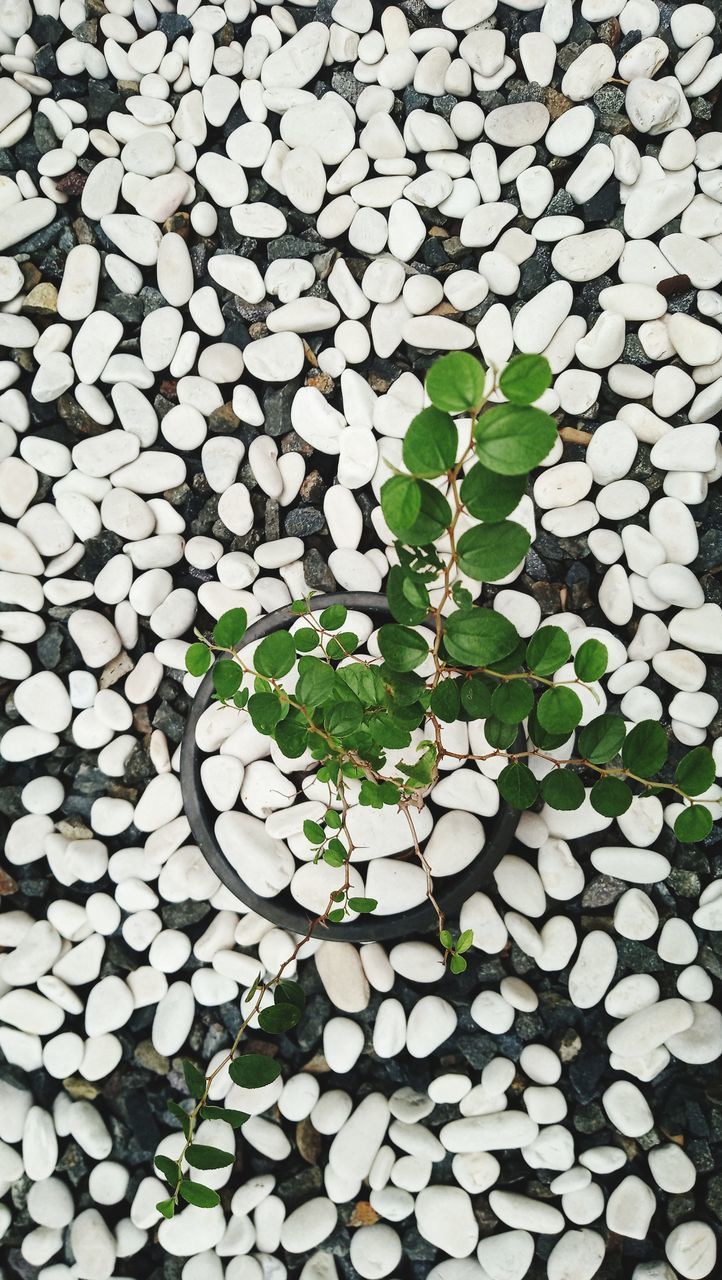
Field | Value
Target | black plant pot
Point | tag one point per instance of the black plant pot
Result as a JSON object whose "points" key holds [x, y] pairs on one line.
{"points": [[451, 892]]}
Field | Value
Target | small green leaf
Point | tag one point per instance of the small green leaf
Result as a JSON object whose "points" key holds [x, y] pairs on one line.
{"points": [[194, 1078], [601, 740], [287, 992], [466, 940], [559, 710], [169, 1169], [254, 1071], [203, 1157], [345, 716], [234, 1118], [517, 785], [446, 939], [337, 915], [278, 1018], [548, 650], [696, 771], [611, 797], [525, 378], [402, 648], [512, 701], [457, 963], [230, 628], [430, 444], [341, 645], [362, 905], [313, 832], [455, 383], [490, 496], [488, 552], [305, 640], [227, 678], [477, 636], [476, 695], [562, 789], [315, 682], [408, 597], [166, 1207], [198, 659], [645, 749], [513, 439], [265, 711], [590, 661], [499, 733], [445, 701], [180, 1114], [276, 655], [693, 824], [414, 510], [333, 617], [202, 1197], [333, 819]]}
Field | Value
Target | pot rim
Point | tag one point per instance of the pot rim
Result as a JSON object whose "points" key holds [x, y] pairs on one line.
{"points": [[283, 911]]}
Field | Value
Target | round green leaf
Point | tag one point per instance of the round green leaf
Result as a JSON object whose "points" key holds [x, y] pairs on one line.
{"points": [[166, 1207], [512, 701], [489, 496], [499, 733], [402, 495], [525, 378], [265, 711], [602, 739], [333, 617], [313, 832], [548, 650], [169, 1169], [278, 1018], [517, 785], [362, 905], [611, 797], [407, 595], [693, 824], [198, 659], [230, 628], [402, 648], [315, 682], [276, 655], [645, 749], [200, 1157], [236, 1119], [559, 710], [445, 701], [288, 992], [696, 771], [455, 383], [305, 640], [254, 1070], [513, 439], [488, 552], [476, 697], [430, 443], [291, 734], [227, 677], [202, 1197], [562, 789], [194, 1078], [590, 661], [476, 637]]}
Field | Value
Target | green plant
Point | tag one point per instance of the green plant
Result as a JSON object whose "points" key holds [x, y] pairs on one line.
{"points": [[467, 460]]}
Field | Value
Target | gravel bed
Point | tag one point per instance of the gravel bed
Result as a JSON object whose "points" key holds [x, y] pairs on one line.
{"points": [[233, 237]]}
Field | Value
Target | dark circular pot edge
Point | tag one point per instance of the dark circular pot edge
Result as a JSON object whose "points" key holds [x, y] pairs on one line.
{"points": [[421, 919]]}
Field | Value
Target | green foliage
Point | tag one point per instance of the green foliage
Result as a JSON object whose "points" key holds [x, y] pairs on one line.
{"points": [[525, 378], [512, 439], [430, 444], [357, 715], [477, 637], [590, 661], [489, 552], [198, 659], [230, 628], [455, 383], [490, 496], [696, 771], [254, 1070], [548, 650]]}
